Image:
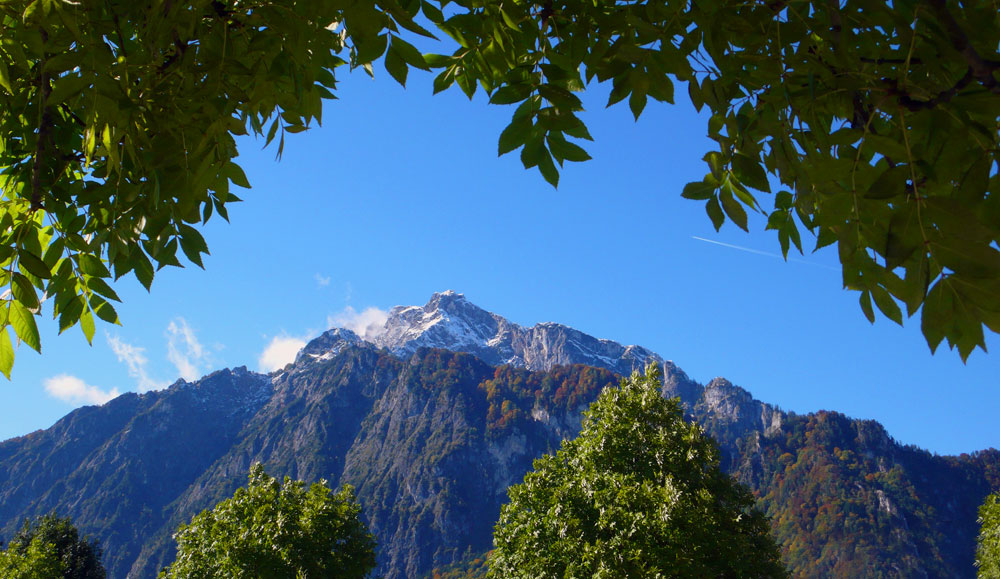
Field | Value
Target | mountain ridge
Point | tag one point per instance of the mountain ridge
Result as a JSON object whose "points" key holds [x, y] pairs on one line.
{"points": [[432, 437]]}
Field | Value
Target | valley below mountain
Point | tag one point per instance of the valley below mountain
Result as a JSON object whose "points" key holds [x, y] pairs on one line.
{"points": [[435, 414]]}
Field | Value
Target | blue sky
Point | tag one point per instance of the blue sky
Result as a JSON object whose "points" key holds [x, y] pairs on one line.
{"points": [[400, 194]]}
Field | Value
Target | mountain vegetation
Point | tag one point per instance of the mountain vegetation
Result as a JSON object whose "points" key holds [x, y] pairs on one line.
{"points": [[876, 120]]}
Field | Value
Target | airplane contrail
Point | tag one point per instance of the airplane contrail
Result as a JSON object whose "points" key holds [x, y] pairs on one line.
{"points": [[739, 247], [759, 252]]}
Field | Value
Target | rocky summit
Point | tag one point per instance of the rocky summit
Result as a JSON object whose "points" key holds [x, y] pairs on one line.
{"points": [[434, 414], [451, 322]]}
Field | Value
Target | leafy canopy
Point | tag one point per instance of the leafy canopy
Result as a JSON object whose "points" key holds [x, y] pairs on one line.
{"points": [[51, 546], [37, 560], [988, 548], [273, 529], [639, 493], [875, 123]]}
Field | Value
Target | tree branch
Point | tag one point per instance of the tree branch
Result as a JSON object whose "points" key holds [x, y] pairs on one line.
{"points": [[979, 67], [44, 127]]}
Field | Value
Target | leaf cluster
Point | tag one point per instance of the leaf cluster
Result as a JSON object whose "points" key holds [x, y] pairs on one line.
{"points": [[275, 529], [117, 131], [988, 549], [638, 493], [875, 123], [51, 546]]}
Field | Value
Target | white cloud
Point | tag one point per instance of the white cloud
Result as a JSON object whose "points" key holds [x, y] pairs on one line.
{"points": [[75, 391], [136, 361], [368, 323], [322, 281], [279, 352], [184, 350]]}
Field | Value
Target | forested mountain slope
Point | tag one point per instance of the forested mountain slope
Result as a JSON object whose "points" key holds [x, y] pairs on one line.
{"points": [[431, 439]]}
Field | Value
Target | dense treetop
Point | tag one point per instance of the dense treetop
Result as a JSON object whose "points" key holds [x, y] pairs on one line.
{"points": [[874, 125], [988, 549], [51, 546], [639, 493], [276, 529]]}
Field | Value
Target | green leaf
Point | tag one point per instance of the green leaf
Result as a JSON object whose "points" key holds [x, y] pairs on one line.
{"points": [[714, 211], [235, 174], [24, 292], [445, 79], [53, 253], [370, 49], [70, 313], [438, 60], [90, 265], [698, 191], [891, 183], [734, 209], [396, 66], [104, 310], [548, 169], [515, 135], [637, 103], [87, 325], [24, 326], [143, 268], [6, 353], [408, 53], [563, 149], [887, 305], [511, 93], [100, 286], [5, 83], [750, 172], [34, 265], [533, 152], [866, 305]]}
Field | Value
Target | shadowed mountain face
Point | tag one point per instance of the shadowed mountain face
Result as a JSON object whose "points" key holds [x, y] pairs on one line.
{"points": [[431, 438]]}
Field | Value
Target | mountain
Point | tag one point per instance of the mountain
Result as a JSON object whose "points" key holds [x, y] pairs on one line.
{"points": [[451, 322], [432, 416]]}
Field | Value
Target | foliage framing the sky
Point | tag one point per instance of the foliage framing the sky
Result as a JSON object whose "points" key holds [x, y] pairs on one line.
{"points": [[877, 123]]}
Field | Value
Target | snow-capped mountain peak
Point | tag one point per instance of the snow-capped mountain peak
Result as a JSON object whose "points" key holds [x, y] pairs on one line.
{"points": [[448, 320]]}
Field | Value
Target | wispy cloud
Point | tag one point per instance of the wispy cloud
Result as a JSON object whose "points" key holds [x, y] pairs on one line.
{"points": [[322, 280], [184, 350], [279, 352], [368, 323], [136, 360], [75, 391], [759, 252]]}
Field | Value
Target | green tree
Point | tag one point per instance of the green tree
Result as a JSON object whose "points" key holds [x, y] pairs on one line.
{"points": [[273, 529], [79, 557], [36, 560], [638, 493], [988, 549], [877, 122]]}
